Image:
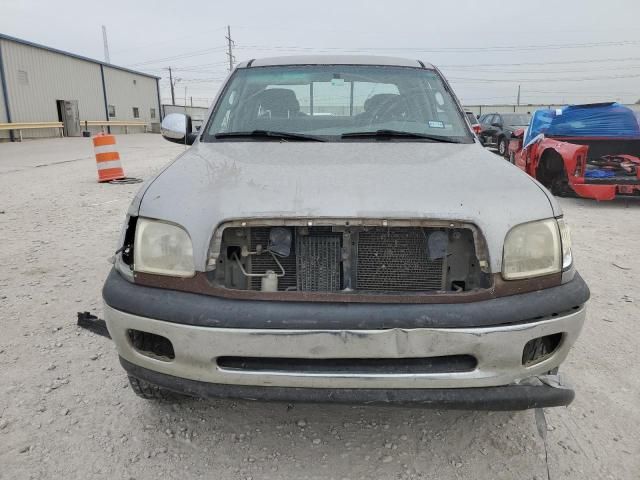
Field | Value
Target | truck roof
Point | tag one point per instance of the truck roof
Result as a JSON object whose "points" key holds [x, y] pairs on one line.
{"points": [[335, 60]]}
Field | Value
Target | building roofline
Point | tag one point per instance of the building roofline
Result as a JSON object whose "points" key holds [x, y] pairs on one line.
{"points": [[72, 55]]}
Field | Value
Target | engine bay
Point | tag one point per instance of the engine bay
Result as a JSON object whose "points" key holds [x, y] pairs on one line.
{"points": [[349, 259]]}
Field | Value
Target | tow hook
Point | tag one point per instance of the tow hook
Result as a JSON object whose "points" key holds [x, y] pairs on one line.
{"points": [[93, 324]]}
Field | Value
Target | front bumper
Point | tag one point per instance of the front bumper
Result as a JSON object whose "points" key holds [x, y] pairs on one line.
{"points": [[539, 392], [203, 329], [498, 351]]}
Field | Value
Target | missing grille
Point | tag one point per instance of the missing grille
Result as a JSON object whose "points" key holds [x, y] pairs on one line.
{"points": [[355, 259], [264, 262], [397, 259], [318, 262]]}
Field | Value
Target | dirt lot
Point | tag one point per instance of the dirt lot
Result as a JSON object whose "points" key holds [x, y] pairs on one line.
{"points": [[66, 410]]}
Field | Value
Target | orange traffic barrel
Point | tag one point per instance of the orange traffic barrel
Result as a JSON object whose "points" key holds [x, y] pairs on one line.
{"points": [[107, 158]]}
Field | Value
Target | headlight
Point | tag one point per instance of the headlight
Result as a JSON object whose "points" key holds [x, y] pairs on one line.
{"points": [[162, 248], [565, 237], [532, 249]]}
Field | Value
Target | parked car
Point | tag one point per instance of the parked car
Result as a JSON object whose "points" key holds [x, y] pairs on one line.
{"points": [[378, 256], [592, 151], [497, 128], [474, 122]]}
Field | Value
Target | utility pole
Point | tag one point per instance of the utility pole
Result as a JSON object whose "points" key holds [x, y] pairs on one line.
{"points": [[106, 44], [230, 44], [518, 95], [173, 97]]}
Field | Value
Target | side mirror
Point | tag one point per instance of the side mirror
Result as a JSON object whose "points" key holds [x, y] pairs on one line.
{"points": [[177, 128], [496, 124]]}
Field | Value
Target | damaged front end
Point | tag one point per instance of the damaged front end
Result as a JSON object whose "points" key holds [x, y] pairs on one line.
{"points": [[348, 257]]}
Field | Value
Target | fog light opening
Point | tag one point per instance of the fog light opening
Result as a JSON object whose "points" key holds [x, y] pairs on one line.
{"points": [[151, 345], [540, 348]]}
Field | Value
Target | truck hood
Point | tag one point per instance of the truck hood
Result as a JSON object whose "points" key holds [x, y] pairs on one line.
{"points": [[215, 182]]}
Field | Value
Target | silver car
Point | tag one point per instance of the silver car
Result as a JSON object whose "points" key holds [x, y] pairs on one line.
{"points": [[337, 233]]}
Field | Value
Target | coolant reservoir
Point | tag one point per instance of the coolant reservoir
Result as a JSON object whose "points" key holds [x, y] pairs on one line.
{"points": [[269, 282]]}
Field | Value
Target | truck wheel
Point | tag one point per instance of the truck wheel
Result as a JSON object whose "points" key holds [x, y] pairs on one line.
{"points": [[150, 391], [560, 186], [502, 147], [552, 174]]}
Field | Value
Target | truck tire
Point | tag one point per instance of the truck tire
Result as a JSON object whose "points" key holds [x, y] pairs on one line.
{"points": [[150, 391], [503, 147]]}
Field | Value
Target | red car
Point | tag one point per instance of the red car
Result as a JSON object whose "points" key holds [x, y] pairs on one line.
{"points": [[592, 150]]}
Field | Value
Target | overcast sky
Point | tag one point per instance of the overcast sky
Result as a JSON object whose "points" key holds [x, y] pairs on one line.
{"points": [[572, 51]]}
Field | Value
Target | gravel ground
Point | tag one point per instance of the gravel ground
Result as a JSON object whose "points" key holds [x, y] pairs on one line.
{"points": [[66, 410]]}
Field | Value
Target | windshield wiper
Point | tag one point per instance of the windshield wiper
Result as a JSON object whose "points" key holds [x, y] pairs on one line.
{"points": [[270, 134], [384, 134]]}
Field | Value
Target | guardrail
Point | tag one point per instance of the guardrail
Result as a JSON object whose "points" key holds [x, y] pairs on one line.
{"points": [[114, 123], [19, 126]]}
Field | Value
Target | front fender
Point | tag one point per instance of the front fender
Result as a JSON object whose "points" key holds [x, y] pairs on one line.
{"points": [[573, 156]]}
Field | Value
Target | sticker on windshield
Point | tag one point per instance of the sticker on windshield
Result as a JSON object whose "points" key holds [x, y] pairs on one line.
{"points": [[433, 124]]}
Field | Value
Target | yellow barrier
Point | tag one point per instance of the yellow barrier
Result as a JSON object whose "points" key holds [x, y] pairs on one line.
{"points": [[19, 126], [30, 126], [114, 123]]}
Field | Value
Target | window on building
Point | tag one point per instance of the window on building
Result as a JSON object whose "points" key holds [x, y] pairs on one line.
{"points": [[152, 113], [135, 82], [136, 112], [112, 110], [23, 77]]}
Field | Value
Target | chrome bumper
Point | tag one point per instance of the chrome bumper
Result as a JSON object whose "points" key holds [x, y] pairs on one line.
{"points": [[498, 351]]}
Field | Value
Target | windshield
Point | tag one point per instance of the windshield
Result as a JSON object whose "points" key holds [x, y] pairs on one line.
{"points": [[516, 119], [472, 118], [328, 101]]}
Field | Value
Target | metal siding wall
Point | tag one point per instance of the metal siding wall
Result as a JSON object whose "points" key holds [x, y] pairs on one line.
{"points": [[124, 95], [51, 77]]}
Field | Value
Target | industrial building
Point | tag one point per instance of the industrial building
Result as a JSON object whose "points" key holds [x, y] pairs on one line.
{"points": [[49, 92]]}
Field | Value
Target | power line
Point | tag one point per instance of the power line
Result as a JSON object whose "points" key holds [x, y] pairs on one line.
{"points": [[179, 57], [202, 80], [539, 80], [512, 72], [205, 67], [193, 67], [163, 42], [202, 68], [563, 62], [497, 48]]}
